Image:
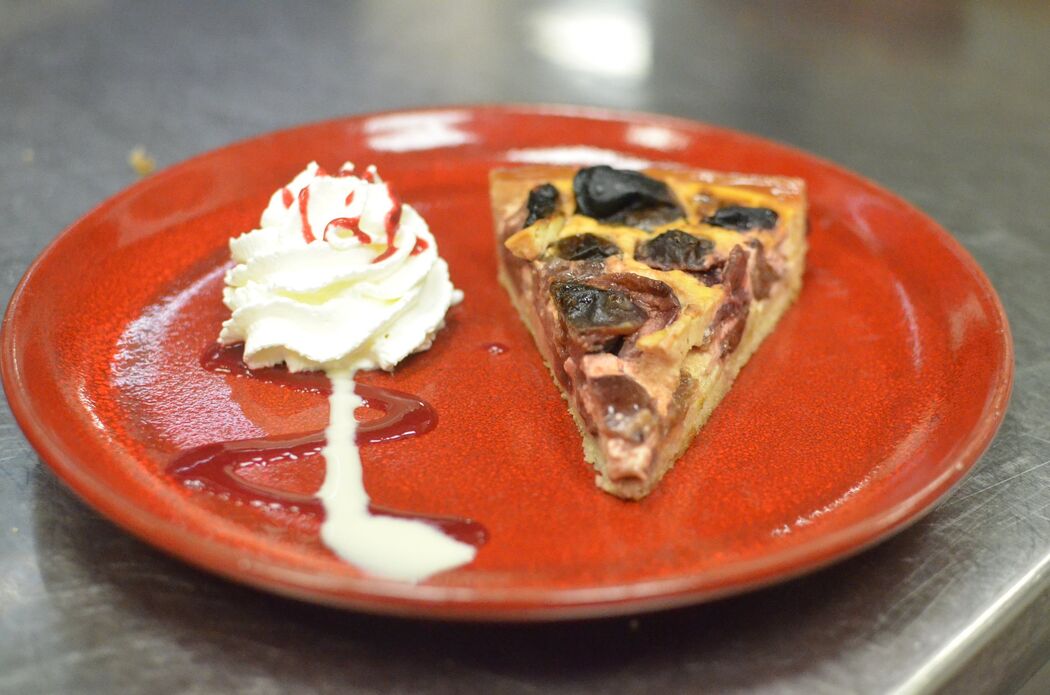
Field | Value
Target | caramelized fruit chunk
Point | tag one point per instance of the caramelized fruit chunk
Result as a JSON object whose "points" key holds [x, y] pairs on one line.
{"points": [[595, 315], [625, 406], [735, 271], [655, 297], [743, 219], [732, 316], [610, 311], [543, 202], [624, 197], [676, 250], [582, 247]]}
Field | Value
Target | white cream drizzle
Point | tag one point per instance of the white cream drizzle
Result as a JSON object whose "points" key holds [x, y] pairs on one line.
{"points": [[382, 545]]}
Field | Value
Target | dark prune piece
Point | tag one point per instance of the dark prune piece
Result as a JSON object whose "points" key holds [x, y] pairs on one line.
{"points": [[587, 308], [743, 219], [676, 250], [655, 297], [543, 202], [616, 195], [582, 247], [625, 406]]}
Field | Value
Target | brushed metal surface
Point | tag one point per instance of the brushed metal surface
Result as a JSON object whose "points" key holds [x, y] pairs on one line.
{"points": [[945, 103]]}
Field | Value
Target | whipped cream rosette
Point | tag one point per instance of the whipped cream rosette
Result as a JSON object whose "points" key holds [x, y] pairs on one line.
{"points": [[341, 276]]}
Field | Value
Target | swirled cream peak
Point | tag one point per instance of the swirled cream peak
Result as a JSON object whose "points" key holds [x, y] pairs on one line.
{"points": [[340, 275]]}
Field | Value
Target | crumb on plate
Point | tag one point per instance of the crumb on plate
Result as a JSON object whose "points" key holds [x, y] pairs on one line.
{"points": [[140, 161]]}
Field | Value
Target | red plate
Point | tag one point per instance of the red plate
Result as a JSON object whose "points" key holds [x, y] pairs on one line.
{"points": [[876, 394]]}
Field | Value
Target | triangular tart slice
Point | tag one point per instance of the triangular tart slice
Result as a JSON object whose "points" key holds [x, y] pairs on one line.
{"points": [[646, 293]]}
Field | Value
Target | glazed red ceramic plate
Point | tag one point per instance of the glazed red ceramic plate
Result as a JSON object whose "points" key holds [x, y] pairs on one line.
{"points": [[876, 394]]}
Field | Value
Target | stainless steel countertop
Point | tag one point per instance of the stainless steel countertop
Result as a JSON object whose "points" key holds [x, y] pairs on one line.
{"points": [[945, 103]]}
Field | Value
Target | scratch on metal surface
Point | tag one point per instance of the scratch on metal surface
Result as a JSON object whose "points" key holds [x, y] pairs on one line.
{"points": [[918, 588], [1036, 436], [1000, 482]]}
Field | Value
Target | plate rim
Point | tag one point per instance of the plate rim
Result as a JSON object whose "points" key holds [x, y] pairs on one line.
{"points": [[519, 604]]}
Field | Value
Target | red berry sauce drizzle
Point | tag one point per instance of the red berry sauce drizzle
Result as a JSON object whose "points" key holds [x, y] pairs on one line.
{"points": [[353, 224], [393, 219], [304, 205], [214, 467], [391, 222]]}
